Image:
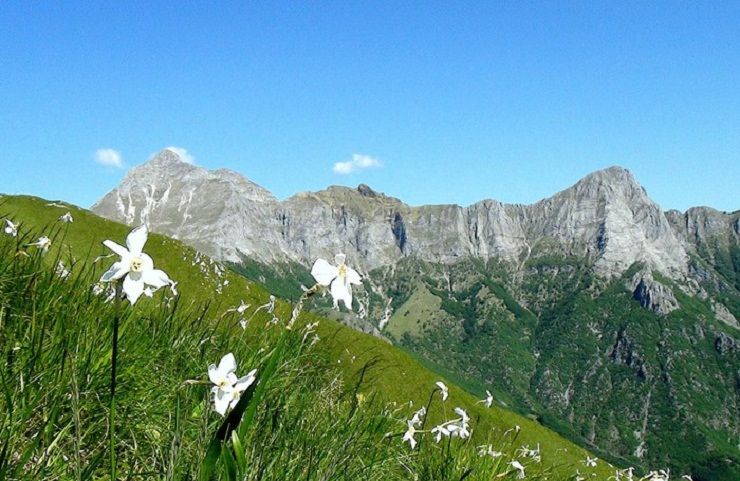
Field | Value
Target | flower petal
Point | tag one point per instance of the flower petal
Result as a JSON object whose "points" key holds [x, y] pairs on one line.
{"points": [[136, 239], [117, 248], [353, 277], [116, 271], [213, 374], [155, 278], [133, 288], [227, 365], [221, 401], [147, 263], [341, 292], [324, 272], [244, 382]]}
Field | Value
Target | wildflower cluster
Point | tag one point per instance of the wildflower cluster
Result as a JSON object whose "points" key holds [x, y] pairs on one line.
{"points": [[228, 387]]}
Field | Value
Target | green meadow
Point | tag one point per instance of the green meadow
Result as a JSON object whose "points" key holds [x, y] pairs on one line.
{"points": [[330, 403]]}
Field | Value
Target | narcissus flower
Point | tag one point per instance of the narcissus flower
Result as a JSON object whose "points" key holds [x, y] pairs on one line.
{"points": [[338, 278], [409, 435], [227, 387], [531, 453], [439, 431], [488, 401], [459, 427], [10, 228], [66, 217], [455, 428], [487, 450], [416, 418], [590, 462], [61, 270], [135, 265], [443, 388], [240, 386], [43, 243], [518, 466]]}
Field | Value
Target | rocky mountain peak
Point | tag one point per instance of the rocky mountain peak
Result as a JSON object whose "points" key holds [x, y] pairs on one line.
{"points": [[610, 184], [366, 191], [606, 216], [166, 157]]}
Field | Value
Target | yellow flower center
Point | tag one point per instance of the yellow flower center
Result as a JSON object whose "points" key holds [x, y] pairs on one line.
{"points": [[137, 264], [342, 271]]}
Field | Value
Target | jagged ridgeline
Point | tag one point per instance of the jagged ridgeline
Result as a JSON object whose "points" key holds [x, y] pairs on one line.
{"points": [[606, 318], [336, 407]]}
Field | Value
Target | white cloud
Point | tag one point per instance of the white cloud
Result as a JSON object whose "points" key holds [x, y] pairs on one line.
{"points": [[358, 162], [109, 157], [183, 154]]}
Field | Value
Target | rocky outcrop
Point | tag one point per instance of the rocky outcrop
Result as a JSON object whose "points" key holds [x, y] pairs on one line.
{"points": [[724, 315], [606, 217], [699, 225], [651, 294]]}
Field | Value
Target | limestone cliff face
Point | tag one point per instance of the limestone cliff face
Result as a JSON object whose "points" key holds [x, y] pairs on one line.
{"points": [[606, 216], [703, 225]]}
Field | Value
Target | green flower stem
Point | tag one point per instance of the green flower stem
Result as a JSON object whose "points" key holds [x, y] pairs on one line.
{"points": [[114, 360]]}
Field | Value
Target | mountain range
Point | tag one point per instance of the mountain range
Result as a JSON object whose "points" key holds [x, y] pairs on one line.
{"points": [[595, 311]]}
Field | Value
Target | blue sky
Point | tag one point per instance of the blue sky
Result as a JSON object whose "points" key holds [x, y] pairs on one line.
{"points": [[457, 101]]}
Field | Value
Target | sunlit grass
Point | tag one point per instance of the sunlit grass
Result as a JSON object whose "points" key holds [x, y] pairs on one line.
{"points": [[332, 409]]}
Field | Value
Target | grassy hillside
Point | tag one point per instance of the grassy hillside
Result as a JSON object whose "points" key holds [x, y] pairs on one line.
{"points": [[334, 410]]}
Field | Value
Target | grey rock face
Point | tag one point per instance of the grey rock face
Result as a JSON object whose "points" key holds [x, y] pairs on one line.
{"points": [[653, 295], [606, 216], [701, 224]]}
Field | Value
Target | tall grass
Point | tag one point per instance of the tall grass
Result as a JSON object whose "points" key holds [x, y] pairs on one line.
{"points": [[303, 421]]}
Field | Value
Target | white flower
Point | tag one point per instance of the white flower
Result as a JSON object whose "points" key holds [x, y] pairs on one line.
{"points": [[590, 462], [228, 387], [487, 450], [443, 388], [416, 419], [518, 466], [488, 401], [43, 243], [61, 271], [242, 307], [136, 266], [240, 386], [531, 453], [10, 228], [409, 435], [340, 279], [459, 427], [439, 431], [463, 415], [455, 428], [66, 217]]}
